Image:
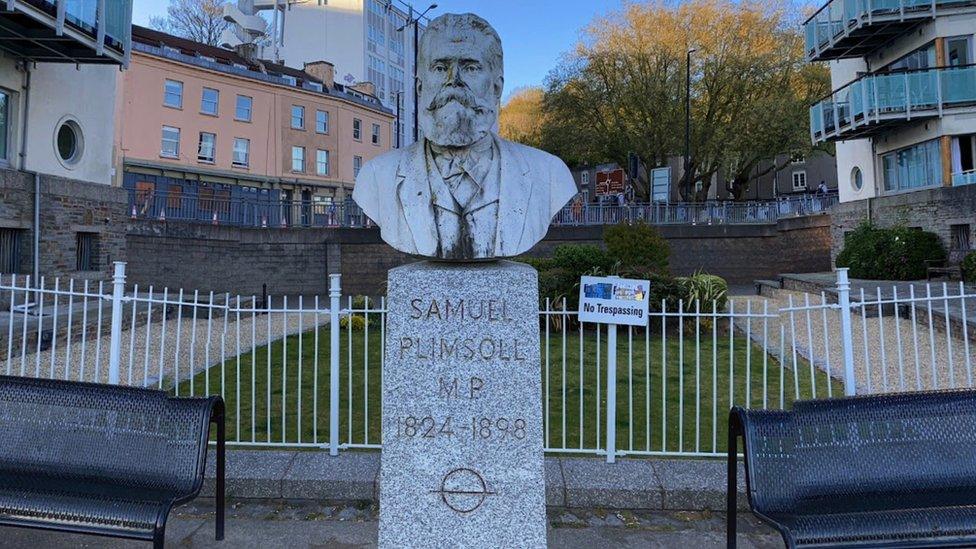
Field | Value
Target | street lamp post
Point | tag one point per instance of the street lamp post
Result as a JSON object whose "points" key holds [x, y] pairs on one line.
{"points": [[416, 40], [399, 96], [688, 124]]}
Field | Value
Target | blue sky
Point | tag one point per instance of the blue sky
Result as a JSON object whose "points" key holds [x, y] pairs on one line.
{"points": [[534, 32]]}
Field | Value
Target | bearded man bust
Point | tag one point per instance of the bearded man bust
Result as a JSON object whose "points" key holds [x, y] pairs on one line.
{"points": [[462, 192]]}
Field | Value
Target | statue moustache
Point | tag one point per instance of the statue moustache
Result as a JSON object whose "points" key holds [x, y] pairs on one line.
{"points": [[456, 118]]}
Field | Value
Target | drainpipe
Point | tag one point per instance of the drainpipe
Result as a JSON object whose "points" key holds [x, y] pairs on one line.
{"points": [[36, 223]]}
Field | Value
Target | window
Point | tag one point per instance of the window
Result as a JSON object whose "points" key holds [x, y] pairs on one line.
{"points": [[10, 250], [799, 181], [298, 117], [585, 178], [959, 51], [357, 129], [171, 142], [208, 142], [322, 121], [376, 134], [173, 94], [69, 143], [242, 151], [959, 237], [322, 162], [298, 159], [209, 101], [857, 179], [913, 167], [922, 58], [4, 123], [87, 252], [357, 163], [242, 111]]}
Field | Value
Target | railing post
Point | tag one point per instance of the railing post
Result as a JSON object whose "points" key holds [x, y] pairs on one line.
{"points": [[115, 346], [611, 428], [847, 338], [335, 293]]}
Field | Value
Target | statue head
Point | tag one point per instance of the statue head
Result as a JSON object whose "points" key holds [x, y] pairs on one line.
{"points": [[460, 79]]}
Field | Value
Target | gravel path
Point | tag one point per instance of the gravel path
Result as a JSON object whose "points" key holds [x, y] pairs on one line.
{"points": [[925, 359], [183, 347]]}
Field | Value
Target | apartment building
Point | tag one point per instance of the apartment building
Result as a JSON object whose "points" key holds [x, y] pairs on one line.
{"points": [[361, 37], [59, 62], [207, 129], [902, 113]]}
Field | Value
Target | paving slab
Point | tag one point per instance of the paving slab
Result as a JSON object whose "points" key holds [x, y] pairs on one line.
{"points": [[262, 524]]}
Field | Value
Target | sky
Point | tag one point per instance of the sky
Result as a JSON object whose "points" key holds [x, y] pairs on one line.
{"points": [[534, 33]]}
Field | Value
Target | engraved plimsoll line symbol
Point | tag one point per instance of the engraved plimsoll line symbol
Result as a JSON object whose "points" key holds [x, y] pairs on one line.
{"points": [[463, 490]]}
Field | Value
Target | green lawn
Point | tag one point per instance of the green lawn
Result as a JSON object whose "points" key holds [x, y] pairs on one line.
{"points": [[263, 404]]}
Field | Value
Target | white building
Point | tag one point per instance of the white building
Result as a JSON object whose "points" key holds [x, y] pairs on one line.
{"points": [[57, 86], [360, 38], [903, 110]]}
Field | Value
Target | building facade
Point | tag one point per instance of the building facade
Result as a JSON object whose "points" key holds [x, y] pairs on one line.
{"points": [[361, 38], [903, 110], [903, 113], [59, 65], [204, 128]]}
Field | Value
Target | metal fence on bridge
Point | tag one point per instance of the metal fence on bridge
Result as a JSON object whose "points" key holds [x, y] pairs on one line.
{"points": [[265, 213]]}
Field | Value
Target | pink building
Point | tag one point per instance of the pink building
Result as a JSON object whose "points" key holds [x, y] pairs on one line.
{"points": [[204, 122]]}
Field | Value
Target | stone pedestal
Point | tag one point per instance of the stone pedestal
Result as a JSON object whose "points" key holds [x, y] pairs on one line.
{"points": [[462, 462]]}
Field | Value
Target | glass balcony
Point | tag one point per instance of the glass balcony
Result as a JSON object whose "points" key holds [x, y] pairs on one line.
{"points": [[102, 27], [855, 28], [964, 178], [874, 103]]}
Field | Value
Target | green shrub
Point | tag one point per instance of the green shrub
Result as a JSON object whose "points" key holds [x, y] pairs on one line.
{"points": [[361, 302], [896, 253], [969, 267], [666, 289], [559, 274], [358, 322], [639, 249], [705, 289]]}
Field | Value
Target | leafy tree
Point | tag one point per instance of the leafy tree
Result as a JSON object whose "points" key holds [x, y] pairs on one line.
{"points": [[521, 118], [624, 86], [197, 20]]}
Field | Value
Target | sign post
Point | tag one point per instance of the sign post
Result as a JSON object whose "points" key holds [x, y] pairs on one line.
{"points": [[613, 301]]}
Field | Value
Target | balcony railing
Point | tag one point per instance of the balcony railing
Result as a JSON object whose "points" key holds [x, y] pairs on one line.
{"points": [[964, 178], [103, 25], [873, 103], [854, 28]]}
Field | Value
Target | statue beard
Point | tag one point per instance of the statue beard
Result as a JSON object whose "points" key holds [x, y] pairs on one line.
{"points": [[455, 117]]}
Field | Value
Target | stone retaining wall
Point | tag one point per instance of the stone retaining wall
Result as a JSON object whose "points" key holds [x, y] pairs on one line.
{"points": [[297, 261]]}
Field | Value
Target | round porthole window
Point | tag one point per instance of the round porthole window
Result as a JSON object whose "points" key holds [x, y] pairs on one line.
{"points": [[857, 180], [69, 143]]}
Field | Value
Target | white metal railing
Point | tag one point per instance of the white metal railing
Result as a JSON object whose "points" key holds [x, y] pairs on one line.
{"points": [[306, 371]]}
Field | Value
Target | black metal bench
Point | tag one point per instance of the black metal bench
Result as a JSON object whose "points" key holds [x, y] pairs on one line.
{"points": [[103, 459], [880, 471]]}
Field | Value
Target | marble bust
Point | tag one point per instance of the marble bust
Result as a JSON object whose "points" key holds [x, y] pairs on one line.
{"points": [[462, 192]]}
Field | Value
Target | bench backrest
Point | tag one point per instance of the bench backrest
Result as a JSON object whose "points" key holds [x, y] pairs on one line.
{"points": [[877, 452], [136, 437]]}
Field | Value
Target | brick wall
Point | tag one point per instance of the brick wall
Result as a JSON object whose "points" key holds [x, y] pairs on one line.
{"points": [[934, 210], [68, 207], [298, 261]]}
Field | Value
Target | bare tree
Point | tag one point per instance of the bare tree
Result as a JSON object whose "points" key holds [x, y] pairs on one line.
{"points": [[197, 20]]}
